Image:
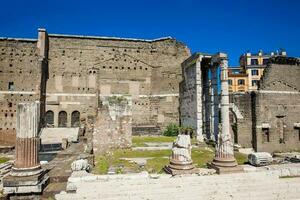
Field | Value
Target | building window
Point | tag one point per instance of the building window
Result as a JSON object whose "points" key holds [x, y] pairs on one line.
{"points": [[265, 61], [230, 82], [11, 86], [254, 72], [241, 82], [254, 82], [254, 61]]}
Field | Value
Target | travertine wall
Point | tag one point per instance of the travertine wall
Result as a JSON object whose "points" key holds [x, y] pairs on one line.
{"points": [[244, 122], [22, 79], [188, 95], [82, 69], [276, 107]]}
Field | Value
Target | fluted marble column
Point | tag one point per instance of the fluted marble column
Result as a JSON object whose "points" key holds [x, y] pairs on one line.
{"points": [[27, 140], [215, 103], [199, 89], [224, 153]]}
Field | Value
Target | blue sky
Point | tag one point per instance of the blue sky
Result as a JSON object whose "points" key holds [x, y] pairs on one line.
{"points": [[232, 26]]}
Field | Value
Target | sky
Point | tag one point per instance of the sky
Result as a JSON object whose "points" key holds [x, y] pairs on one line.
{"points": [[231, 26]]}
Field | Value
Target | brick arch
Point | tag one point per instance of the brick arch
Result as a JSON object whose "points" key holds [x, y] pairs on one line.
{"points": [[62, 119]]}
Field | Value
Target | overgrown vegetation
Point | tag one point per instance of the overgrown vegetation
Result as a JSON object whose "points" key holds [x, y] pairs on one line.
{"points": [[156, 160], [174, 129], [240, 158], [140, 141], [155, 165], [117, 100], [171, 130], [3, 159]]}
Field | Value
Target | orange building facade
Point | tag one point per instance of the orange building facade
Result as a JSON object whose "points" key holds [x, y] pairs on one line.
{"points": [[246, 77]]}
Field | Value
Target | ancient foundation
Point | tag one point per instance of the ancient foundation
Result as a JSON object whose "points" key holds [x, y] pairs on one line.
{"points": [[27, 177]]}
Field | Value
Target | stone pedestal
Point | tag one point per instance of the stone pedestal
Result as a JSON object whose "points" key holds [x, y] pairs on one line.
{"points": [[181, 161], [27, 176], [224, 161]]}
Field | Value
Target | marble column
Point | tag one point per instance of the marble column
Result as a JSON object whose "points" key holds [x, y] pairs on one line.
{"points": [[199, 119], [181, 159], [27, 175], [214, 103], [27, 140], [224, 159], [207, 102]]}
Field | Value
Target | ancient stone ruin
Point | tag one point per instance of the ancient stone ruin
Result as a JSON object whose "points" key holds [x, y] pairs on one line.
{"points": [[27, 177], [181, 159], [108, 89]]}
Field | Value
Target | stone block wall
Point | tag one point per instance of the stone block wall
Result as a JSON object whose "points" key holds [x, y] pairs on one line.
{"points": [[188, 94], [23, 74], [243, 119], [82, 70], [280, 112], [277, 108]]}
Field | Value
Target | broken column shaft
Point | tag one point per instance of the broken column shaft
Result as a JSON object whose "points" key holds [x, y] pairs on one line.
{"points": [[27, 177], [27, 139]]}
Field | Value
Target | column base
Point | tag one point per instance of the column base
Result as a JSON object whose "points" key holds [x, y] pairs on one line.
{"points": [[178, 168], [225, 165], [33, 184]]}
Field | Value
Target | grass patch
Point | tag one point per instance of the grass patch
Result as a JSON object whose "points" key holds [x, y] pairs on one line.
{"points": [[139, 141], [240, 158], [202, 156], [3, 160], [113, 159], [155, 165], [141, 154], [158, 158], [103, 162]]}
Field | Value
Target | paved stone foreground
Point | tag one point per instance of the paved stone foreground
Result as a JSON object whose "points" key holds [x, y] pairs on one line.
{"points": [[255, 185]]}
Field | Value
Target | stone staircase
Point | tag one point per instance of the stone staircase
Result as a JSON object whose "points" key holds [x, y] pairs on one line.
{"points": [[255, 185]]}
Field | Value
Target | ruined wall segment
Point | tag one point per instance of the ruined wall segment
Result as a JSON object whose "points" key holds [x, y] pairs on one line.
{"points": [[242, 114], [83, 68], [20, 81], [277, 107], [113, 122]]}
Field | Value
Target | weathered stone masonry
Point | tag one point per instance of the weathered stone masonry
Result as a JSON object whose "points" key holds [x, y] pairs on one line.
{"points": [[82, 69], [23, 75], [276, 107], [271, 114]]}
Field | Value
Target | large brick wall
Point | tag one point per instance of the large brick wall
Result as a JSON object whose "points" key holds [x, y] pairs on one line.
{"points": [[243, 122], [271, 115], [21, 76], [277, 104], [82, 69]]}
